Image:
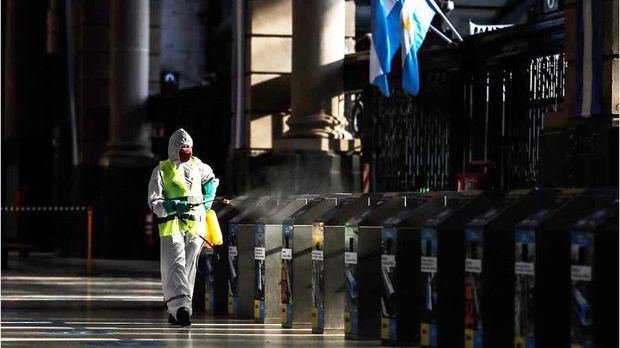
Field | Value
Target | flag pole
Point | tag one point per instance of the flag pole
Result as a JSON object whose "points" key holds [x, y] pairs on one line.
{"points": [[443, 16], [441, 35]]}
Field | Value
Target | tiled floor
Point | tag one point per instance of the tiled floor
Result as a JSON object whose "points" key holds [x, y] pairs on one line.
{"points": [[46, 302]]}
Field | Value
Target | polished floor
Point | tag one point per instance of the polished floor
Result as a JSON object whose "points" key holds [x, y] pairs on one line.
{"points": [[48, 301]]}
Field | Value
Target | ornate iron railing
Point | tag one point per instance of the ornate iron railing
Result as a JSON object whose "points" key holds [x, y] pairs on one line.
{"points": [[408, 138], [505, 112]]}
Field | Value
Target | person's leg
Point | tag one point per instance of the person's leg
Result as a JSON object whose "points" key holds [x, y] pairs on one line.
{"points": [[193, 246], [173, 273]]}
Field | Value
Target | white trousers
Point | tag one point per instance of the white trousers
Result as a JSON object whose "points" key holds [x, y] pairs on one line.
{"points": [[179, 253]]}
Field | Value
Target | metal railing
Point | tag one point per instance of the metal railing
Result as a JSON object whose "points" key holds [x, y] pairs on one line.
{"points": [[53, 209]]}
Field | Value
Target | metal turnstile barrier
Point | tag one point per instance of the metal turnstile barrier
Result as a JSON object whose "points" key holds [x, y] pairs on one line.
{"points": [[328, 261], [442, 270], [296, 254], [362, 243], [241, 280], [267, 259], [532, 235], [489, 267], [594, 278], [548, 276], [422, 265], [210, 288]]}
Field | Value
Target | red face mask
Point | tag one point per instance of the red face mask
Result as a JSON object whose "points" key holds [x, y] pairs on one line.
{"points": [[185, 153]]}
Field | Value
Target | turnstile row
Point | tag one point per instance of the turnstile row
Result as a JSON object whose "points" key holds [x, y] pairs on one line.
{"points": [[445, 269]]}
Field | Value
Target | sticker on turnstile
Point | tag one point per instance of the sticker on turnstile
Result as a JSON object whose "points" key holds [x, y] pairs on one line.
{"points": [[581, 273], [388, 261], [524, 268], [581, 256], [428, 264], [317, 255], [350, 258], [287, 254], [473, 265], [428, 260], [232, 251], [259, 253]]}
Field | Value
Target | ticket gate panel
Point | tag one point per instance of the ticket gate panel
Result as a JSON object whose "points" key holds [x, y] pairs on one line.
{"points": [[241, 277], [362, 312], [296, 258], [594, 282], [268, 268], [246, 276], [530, 237], [266, 258], [553, 296], [401, 246], [439, 224], [328, 279], [301, 267], [210, 291], [333, 278], [445, 235], [489, 264], [546, 268]]}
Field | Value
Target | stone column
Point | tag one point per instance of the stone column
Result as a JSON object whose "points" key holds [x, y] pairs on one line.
{"points": [[129, 77], [318, 54]]}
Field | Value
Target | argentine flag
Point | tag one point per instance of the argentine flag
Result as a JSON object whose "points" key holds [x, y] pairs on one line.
{"points": [[386, 37], [416, 17], [589, 57]]}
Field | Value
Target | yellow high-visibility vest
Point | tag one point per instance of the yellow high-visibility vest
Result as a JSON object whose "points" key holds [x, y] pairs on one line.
{"points": [[175, 188]]}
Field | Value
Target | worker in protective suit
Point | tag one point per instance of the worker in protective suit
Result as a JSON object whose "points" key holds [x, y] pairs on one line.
{"points": [[181, 190]]}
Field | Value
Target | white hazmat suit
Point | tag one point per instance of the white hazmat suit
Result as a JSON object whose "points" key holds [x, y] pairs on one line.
{"points": [[179, 251]]}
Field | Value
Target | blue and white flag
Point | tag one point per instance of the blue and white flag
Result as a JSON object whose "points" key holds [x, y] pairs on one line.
{"points": [[416, 17], [589, 57], [386, 36]]}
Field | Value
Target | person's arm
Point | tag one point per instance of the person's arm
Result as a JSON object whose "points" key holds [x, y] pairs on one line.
{"points": [[209, 184], [156, 194]]}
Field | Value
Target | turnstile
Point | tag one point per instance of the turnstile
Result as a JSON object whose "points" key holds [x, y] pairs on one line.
{"points": [[489, 267], [241, 231], [328, 261], [442, 268], [210, 288], [422, 266], [594, 279], [548, 237], [399, 268], [362, 264], [537, 234], [267, 260], [296, 295]]}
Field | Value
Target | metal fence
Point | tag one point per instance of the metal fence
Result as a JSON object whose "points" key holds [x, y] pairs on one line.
{"points": [[505, 112]]}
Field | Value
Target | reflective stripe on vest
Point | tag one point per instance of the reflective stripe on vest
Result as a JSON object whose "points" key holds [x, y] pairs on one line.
{"points": [[175, 187]]}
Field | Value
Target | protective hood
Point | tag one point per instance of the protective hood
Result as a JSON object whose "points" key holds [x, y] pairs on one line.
{"points": [[179, 138]]}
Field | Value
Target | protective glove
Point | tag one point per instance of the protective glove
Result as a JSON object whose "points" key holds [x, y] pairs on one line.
{"points": [[176, 206], [208, 191], [182, 207], [170, 206]]}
